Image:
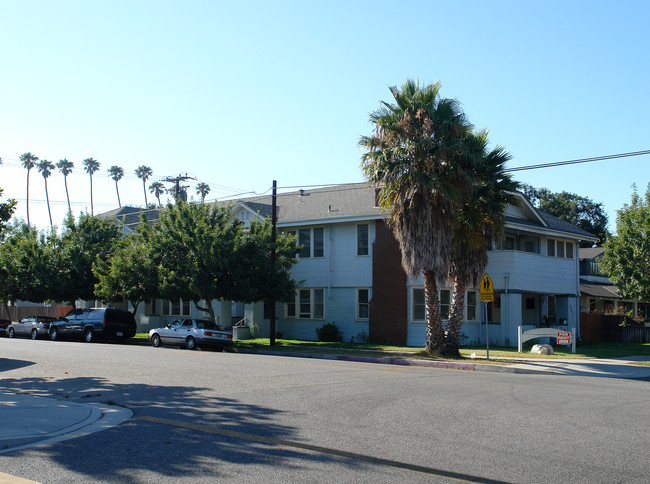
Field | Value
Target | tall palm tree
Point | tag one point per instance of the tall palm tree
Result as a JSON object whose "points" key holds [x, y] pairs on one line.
{"points": [[116, 174], [157, 188], [481, 221], [91, 166], [46, 167], [29, 161], [411, 156], [202, 189], [144, 172], [66, 167]]}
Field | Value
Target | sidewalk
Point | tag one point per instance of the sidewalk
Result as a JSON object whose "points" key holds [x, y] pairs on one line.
{"points": [[27, 420]]}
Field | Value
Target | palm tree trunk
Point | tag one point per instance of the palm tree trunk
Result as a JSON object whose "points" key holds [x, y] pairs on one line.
{"points": [[435, 334], [144, 187], [158, 197], [92, 212], [452, 343], [67, 195], [47, 197], [27, 197], [118, 195]]}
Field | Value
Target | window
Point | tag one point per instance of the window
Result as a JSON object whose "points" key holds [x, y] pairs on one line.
{"points": [[177, 307], [560, 248], [445, 303], [308, 304], [550, 247], [362, 239], [509, 243], [569, 250], [471, 305], [363, 307], [311, 242], [419, 306], [304, 240]]}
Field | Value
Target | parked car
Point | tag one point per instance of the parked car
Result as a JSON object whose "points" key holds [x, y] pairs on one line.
{"points": [[33, 326], [93, 323], [191, 333], [4, 324]]}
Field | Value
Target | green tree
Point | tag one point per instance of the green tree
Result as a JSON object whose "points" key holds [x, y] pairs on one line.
{"points": [[143, 172], [66, 167], [130, 273], [91, 166], [116, 174], [580, 211], [25, 270], [46, 167], [29, 161], [80, 246], [202, 189], [6, 211], [204, 253], [626, 259], [481, 220], [413, 157], [157, 188]]}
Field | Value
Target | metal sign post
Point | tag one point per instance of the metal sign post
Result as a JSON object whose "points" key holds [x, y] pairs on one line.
{"points": [[487, 295]]}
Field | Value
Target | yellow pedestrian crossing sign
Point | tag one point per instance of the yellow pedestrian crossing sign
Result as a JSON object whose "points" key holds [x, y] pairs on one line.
{"points": [[487, 289]]}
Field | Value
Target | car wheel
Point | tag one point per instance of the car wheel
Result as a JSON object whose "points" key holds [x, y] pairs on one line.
{"points": [[34, 334], [54, 334], [89, 336], [190, 343], [11, 332], [155, 340]]}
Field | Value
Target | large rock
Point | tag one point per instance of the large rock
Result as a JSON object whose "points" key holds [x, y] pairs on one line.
{"points": [[542, 349]]}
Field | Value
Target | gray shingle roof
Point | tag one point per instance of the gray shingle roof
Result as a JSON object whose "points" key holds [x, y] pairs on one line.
{"points": [[590, 252], [599, 290], [559, 224], [130, 215]]}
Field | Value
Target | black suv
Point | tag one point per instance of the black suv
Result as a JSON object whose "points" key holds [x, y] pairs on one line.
{"points": [[93, 323]]}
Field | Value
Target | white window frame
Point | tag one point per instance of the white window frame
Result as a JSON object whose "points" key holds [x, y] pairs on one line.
{"points": [[467, 305], [168, 307], [311, 246], [359, 303], [412, 304], [294, 307], [367, 245]]}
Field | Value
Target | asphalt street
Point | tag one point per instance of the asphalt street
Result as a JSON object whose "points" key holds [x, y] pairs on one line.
{"points": [[205, 416]]}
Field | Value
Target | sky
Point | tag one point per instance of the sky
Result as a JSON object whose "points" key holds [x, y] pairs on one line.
{"points": [[238, 94]]}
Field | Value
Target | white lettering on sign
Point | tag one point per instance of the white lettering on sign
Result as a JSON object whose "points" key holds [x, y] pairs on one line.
{"points": [[563, 338]]}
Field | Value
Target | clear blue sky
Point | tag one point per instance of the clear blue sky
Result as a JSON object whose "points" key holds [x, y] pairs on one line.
{"points": [[237, 94]]}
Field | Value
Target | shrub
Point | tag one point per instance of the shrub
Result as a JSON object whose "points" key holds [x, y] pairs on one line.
{"points": [[329, 332], [256, 331]]}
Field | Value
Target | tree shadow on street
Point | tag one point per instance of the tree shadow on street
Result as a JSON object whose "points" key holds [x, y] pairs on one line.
{"points": [[140, 447]]}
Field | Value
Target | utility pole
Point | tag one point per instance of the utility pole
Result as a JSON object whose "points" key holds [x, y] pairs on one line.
{"points": [[178, 188], [274, 222]]}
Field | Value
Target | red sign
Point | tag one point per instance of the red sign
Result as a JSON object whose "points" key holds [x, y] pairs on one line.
{"points": [[563, 338]]}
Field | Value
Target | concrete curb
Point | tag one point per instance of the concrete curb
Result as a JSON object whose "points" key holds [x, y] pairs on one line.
{"points": [[405, 362], [68, 420]]}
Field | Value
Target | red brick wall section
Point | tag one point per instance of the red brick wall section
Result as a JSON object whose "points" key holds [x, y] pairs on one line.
{"points": [[388, 306]]}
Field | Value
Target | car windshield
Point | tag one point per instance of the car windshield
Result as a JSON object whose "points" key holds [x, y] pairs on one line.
{"points": [[205, 324]]}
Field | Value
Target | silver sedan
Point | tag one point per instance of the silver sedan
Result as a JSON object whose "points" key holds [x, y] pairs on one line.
{"points": [[191, 333], [33, 326]]}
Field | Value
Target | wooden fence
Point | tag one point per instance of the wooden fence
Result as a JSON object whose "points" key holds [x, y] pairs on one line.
{"points": [[16, 313], [606, 328]]}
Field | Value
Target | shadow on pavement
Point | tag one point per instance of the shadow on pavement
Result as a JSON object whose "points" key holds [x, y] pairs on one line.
{"points": [[7, 364], [146, 447]]}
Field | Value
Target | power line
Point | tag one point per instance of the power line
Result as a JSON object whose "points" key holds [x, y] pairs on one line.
{"points": [[578, 161]]}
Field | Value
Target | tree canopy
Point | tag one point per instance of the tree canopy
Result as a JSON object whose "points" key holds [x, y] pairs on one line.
{"points": [[626, 259], [580, 211]]}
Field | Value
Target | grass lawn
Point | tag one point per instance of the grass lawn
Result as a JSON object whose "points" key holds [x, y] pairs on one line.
{"points": [[600, 350]]}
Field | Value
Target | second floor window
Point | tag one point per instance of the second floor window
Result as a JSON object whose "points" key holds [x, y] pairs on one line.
{"points": [[176, 307], [362, 239], [311, 242]]}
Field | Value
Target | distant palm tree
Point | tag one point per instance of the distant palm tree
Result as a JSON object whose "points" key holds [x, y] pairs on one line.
{"points": [[202, 189], [143, 172], [91, 166], [116, 174], [66, 167], [46, 167], [157, 188], [29, 161]]}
